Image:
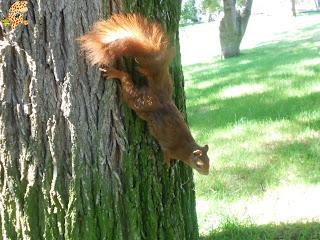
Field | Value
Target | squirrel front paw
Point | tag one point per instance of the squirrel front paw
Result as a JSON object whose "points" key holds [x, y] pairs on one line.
{"points": [[111, 73], [106, 72]]}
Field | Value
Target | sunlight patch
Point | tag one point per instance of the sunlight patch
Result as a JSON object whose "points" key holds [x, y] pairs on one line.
{"points": [[209, 219], [308, 62], [269, 131], [284, 204], [234, 132], [275, 136], [242, 90], [203, 206], [308, 135], [315, 88], [244, 62], [205, 84]]}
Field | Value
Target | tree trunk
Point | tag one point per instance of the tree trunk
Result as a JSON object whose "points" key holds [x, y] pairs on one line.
{"points": [[317, 4], [233, 26], [75, 162], [293, 8]]}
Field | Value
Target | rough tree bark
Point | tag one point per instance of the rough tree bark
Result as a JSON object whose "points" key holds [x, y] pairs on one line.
{"points": [[233, 26], [75, 162]]}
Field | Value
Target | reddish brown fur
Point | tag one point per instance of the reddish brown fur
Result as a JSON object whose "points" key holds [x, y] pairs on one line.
{"points": [[132, 35]]}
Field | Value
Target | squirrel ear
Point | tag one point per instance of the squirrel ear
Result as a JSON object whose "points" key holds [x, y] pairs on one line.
{"points": [[197, 153], [206, 148]]}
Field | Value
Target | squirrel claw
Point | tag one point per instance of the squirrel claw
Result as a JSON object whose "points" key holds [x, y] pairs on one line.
{"points": [[106, 73], [111, 73]]}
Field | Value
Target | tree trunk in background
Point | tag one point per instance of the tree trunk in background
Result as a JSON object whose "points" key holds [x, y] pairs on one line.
{"points": [[75, 162], [293, 8], [233, 26], [317, 3]]}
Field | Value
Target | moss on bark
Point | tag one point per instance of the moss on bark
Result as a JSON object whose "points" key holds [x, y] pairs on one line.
{"points": [[75, 162]]}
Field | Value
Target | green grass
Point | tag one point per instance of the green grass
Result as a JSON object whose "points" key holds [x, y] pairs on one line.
{"points": [[260, 115], [231, 229]]}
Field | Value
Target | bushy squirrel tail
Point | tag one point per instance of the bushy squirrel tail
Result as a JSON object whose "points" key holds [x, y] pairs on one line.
{"points": [[126, 35]]}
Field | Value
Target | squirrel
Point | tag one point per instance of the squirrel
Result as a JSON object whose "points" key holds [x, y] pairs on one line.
{"points": [[134, 36]]}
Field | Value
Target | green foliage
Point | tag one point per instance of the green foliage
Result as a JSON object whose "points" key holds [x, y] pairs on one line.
{"points": [[241, 2], [217, 5], [211, 5], [189, 12]]}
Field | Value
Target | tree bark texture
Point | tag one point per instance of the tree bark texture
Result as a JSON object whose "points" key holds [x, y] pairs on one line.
{"points": [[75, 162], [233, 26]]}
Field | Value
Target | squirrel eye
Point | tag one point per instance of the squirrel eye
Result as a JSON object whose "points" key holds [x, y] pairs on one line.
{"points": [[199, 163]]}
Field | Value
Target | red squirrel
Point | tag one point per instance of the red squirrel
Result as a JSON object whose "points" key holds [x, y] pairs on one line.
{"points": [[134, 36]]}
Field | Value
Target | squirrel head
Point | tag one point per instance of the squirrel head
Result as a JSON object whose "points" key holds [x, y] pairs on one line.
{"points": [[199, 160]]}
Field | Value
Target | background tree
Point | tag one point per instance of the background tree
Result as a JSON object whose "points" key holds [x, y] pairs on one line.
{"points": [[233, 26], [189, 12], [317, 3], [293, 8], [75, 162]]}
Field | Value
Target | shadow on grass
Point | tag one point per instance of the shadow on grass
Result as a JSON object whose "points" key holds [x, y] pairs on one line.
{"points": [[303, 157], [259, 107], [297, 231], [235, 182], [314, 124], [272, 67]]}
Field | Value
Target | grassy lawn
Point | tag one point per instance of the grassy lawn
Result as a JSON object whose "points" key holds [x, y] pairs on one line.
{"points": [[260, 115], [236, 231]]}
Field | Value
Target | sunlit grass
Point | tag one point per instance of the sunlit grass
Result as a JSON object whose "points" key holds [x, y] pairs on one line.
{"points": [[260, 115], [235, 230]]}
